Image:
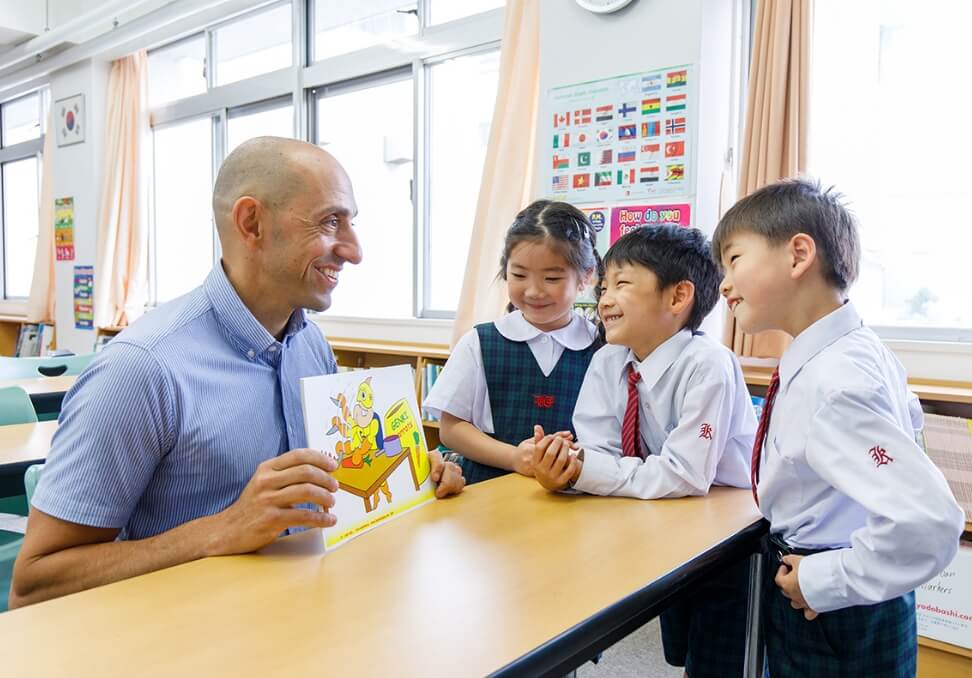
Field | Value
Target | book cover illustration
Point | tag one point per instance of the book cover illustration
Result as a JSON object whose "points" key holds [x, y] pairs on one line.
{"points": [[368, 421]]}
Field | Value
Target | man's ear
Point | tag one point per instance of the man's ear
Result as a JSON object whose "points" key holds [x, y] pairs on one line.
{"points": [[683, 294], [802, 250], [248, 218]]}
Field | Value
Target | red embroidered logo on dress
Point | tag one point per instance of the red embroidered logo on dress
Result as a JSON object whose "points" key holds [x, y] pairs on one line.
{"points": [[705, 431], [544, 401], [880, 455]]}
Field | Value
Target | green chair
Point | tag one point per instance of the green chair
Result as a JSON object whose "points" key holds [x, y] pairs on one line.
{"points": [[26, 368], [16, 406], [10, 542], [31, 478]]}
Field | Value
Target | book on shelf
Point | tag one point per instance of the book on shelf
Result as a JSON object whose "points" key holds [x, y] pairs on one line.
{"points": [[28, 342]]}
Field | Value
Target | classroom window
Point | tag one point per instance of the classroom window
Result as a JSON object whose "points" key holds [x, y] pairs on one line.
{"points": [[21, 119], [183, 242], [462, 93], [177, 71], [889, 129], [259, 42], [275, 119], [21, 202], [369, 129], [343, 26], [441, 11]]}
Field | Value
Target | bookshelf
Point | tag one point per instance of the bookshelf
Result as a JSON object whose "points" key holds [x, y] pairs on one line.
{"points": [[11, 327]]}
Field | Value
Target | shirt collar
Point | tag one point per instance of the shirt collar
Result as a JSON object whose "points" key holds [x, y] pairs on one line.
{"points": [[238, 321], [576, 335], [816, 338], [658, 361]]}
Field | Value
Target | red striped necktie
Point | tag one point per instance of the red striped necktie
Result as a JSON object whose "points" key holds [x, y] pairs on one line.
{"points": [[629, 426], [763, 427]]}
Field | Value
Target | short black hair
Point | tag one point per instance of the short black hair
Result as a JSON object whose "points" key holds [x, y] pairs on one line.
{"points": [[781, 210], [673, 254]]}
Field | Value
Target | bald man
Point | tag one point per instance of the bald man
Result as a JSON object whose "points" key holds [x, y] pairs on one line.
{"points": [[185, 437]]}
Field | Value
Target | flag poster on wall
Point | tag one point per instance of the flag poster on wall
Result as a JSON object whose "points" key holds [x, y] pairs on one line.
{"points": [[620, 138]]}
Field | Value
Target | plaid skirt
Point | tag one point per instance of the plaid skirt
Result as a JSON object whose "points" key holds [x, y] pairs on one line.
{"points": [[706, 631], [872, 641]]}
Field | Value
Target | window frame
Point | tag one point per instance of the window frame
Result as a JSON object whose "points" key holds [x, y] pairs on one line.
{"points": [[306, 80], [24, 150]]}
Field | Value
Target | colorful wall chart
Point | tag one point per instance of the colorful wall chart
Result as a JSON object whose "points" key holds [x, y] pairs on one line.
{"points": [[84, 297], [626, 218], [621, 138], [64, 228]]}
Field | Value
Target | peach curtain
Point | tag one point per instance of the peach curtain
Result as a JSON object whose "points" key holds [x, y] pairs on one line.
{"points": [[775, 140], [121, 279], [507, 182], [40, 303]]}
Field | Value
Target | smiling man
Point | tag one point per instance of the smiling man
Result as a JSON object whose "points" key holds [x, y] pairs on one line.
{"points": [[185, 438]]}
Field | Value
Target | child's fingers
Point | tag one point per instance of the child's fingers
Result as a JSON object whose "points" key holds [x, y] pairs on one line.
{"points": [[809, 614], [780, 579], [537, 433]]}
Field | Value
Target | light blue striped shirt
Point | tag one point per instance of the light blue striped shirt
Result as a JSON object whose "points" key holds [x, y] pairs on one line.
{"points": [[170, 421]]}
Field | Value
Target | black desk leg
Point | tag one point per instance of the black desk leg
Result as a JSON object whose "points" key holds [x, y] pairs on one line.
{"points": [[753, 664]]}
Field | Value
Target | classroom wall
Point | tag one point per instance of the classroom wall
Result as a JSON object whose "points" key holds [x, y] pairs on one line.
{"points": [[77, 174]]}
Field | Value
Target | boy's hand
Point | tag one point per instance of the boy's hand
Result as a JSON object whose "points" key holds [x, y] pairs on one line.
{"points": [[523, 458], [446, 475], [553, 464], [789, 583]]}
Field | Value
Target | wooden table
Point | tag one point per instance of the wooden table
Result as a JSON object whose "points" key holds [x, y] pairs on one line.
{"points": [[45, 392], [25, 443], [505, 579]]}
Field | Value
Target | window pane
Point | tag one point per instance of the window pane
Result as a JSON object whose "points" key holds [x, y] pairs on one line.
{"points": [[442, 11], [183, 193], [20, 217], [21, 119], [258, 43], [177, 71], [370, 132], [275, 122], [342, 26], [909, 190], [463, 93]]}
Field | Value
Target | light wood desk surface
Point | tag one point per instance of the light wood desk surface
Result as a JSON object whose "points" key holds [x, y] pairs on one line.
{"points": [[461, 587], [21, 443], [42, 385]]}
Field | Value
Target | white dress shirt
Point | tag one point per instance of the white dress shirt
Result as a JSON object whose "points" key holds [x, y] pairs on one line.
{"points": [[841, 470], [696, 421], [461, 388]]}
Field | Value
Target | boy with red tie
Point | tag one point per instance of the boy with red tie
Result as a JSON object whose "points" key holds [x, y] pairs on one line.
{"points": [[859, 516]]}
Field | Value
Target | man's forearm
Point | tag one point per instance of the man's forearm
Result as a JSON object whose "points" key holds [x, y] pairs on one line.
{"points": [[39, 577]]}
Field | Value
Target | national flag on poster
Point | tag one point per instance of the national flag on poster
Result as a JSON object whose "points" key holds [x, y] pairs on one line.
{"points": [[604, 113], [650, 152], [650, 106], [675, 126], [561, 162], [582, 116], [582, 181], [674, 149], [603, 136], [561, 120], [624, 110], [626, 177], [627, 132], [651, 83], [652, 128], [607, 157], [602, 178], [675, 102], [584, 159], [561, 182], [675, 172], [627, 156], [581, 139], [677, 78], [561, 140], [648, 175]]}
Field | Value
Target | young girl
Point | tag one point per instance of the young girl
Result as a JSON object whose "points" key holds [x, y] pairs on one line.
{"points": [[509, 381]]}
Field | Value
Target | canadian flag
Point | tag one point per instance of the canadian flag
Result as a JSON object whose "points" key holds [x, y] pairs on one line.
{"points": [[561, 120]]}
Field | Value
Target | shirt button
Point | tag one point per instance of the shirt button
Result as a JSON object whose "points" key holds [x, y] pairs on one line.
{"points": [[544, 339], [273, 349], [251, 354]]}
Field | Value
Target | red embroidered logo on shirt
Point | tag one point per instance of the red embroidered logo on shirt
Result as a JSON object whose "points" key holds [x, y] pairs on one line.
{"points": [[880, 456], [705, 431], [544, 401]]}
